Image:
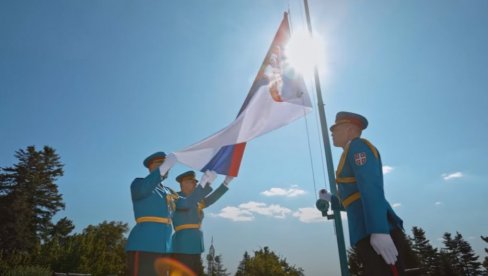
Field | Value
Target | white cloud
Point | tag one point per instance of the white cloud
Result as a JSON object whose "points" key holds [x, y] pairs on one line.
{"points": [[387, 169], [309, 215], [292, 192], [272, 210], [396, 205], [247, 211], [450, 176], [235, 214], [312, 215], [438, 203]]}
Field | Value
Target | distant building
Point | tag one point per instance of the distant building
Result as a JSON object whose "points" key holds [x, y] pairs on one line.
{"points": [[211, 259]]}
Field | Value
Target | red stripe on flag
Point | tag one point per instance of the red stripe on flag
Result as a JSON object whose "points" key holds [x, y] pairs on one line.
{"points": [[235, 162]]}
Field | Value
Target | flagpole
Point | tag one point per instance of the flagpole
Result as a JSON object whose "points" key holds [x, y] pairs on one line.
{"points": [[330, 166]]}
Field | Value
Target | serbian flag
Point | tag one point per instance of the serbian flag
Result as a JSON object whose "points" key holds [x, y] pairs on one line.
{"points": [[277, 97]]}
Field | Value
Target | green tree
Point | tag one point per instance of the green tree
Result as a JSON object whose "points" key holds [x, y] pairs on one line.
{"points": [[468, 257], [485, 262], [451, 255], [10, 260], [241, 269], [29, 270], [427, 255], [29, 198], [218, 268], [447, 267], [356, 266], [459, 256], [100, 249], [265, 262], [56, 249]]}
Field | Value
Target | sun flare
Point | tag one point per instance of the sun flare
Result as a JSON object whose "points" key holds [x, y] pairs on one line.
{"points": [[305, 52]]}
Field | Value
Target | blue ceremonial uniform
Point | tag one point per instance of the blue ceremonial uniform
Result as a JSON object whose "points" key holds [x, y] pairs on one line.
{"points": [[151, 200], [187, 219], [154, 205], [359, 178]]}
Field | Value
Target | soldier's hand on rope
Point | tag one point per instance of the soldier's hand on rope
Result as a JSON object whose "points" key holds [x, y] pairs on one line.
{"points": [[324, 194], [334, 200]]}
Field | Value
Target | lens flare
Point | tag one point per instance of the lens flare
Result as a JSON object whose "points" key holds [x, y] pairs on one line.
{"points": [[304, 52]]}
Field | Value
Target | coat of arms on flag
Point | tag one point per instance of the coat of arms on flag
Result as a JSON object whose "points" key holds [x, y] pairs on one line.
{"points": [[277, 97]]}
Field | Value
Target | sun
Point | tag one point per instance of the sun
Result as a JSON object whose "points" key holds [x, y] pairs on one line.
{"points": [[305, 52]]}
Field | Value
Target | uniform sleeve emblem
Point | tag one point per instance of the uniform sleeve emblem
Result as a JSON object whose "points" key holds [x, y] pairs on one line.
{"points": [[360, 158]]}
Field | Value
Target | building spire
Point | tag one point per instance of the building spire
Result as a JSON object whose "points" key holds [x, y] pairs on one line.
{"points": [[211, 259]]}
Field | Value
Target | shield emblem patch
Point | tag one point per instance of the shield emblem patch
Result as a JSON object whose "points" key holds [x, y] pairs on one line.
{"points": [[360, 158]]}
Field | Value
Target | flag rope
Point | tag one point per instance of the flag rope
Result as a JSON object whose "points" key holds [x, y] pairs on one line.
{"points": [[310, 156], [307, 129]]}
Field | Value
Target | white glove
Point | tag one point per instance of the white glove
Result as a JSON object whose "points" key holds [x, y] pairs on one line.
{"points": [[323, 194], [168, 163], [208, 177], [227, 180], [384, 246]]}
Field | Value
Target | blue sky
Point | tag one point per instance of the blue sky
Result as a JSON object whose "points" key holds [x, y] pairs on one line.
{"points": [[107, 83]]}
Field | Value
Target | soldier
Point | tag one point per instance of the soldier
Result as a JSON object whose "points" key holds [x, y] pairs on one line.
{"points": [[153, 205], [374, 228], [188, 238]]}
